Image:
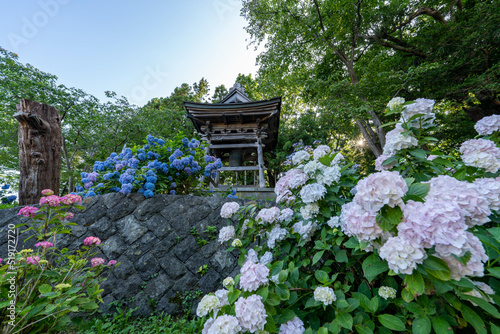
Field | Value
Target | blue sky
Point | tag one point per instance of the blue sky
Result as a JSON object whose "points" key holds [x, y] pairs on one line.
{"points": [[139, 49]]}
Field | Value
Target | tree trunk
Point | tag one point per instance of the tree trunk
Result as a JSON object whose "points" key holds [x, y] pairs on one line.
{"points": [[40, 141], [68, 165]]}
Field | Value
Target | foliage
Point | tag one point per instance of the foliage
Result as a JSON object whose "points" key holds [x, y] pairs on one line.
{"points": [[159, 167], [326, 261], [122, 322], [40, 289], [4, 199]]}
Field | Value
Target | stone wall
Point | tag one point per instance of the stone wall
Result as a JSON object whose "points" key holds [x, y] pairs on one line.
{"points": [[153, 241]]}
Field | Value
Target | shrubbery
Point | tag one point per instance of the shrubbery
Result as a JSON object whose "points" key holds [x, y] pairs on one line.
{"points": [[411, 248], [40, 288], [158, 167]]}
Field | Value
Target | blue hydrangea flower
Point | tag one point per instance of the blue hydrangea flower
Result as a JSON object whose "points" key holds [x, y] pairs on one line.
{"points": [[79, 188], [233, 192], [161, 142], [187, 170], [126, 188], [85, 180], [141, 156], [151, 155], [172, 192], [93, 176], [148, 193], [149, 186], [115, 189], [208, 159], [107, 176], [84, 175], [173, 185], [185, 141], [11, 198], [151, 179], [150, 173], [178, 153], [90, 193], [170, 178], [5, 187], [100, 185]]}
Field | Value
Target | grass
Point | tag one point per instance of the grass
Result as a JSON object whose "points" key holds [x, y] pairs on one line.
{"points": [[122, 322]]}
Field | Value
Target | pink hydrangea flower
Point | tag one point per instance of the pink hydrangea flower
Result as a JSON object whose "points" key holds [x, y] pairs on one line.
{"points": [[466, 195], [488, 125], [229, 209], [253, 275], [27, 211], [51, 200], [111, 263], [355, 221], [69, 215], [379, 189], [490, 189], [97, 261], [44, 244], [481, 153], [294, 326], [251, 313], [71, 199], [92, 241], [1, 260], [268, 215], [33, 260], [286, 215], [47, 192]]}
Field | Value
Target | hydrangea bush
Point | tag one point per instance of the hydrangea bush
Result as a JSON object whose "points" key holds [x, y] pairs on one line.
{"points": [[412, 247], [41, 287], [158, 167], [4, 199]]}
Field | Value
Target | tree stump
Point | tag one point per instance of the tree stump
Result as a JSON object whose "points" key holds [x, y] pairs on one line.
{"points": [[40, 141]]}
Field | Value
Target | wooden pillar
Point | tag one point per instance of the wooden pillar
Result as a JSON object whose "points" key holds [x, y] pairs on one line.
{"points": [[40, 141], [260, 157]]}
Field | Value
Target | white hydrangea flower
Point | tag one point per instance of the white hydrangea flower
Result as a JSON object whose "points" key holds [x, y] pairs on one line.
{"points": [[421, 106], [294, 326], [337, 159], [395, 141], [268, 215], [297, 178], [266, 258], [325, 295], [276, 234], [395, 102], [312, 166], [306, 231], [329, 175], [225, 324], [236, 243], [490, 189], [312, 192], [387, 292], [228, 281], [222, 295], [252, 256], [401, 256], [207, 304], [251, 313], [300, 156], [334, 222], [228, 209], [487, 125], [207, 325], [286, 215], [226, 233], [321, 151], [379, 163], [309, 211]]}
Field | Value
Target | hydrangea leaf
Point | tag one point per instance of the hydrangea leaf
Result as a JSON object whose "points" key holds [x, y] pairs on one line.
{"points": [[437, 268], [482, 304], [418, 153], [474, 319], [270, 326], [441, 326], [317, 257], [415, 283], [362, 329], [392, 322], [421, 325], [345, 319], [388, 218], [373, 266]]}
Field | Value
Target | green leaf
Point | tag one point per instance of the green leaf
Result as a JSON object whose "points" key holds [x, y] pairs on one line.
{"points": [[415, 283], [317, 257], [283, 291], [273, 299], [283, 276], [341, 256], [362, 329], [418, 189], [270, 326], [311, 302], [323, 330], [418, 153], [345, 319], [407, 295], [474, 319], [441, 326], [421, 325], [44, 288], [263, 292], [483, 304], [463, 259], [437, 268], [286, 315], [233, 295], [495, 231], [494, 328], [494, 272], [391, 322], [373, 265], [322, 276], [388, 218], [89, 306]]}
